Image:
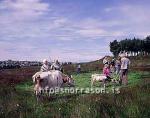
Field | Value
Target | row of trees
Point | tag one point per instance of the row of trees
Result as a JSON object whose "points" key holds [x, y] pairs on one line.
{"points": [[133, 47]]}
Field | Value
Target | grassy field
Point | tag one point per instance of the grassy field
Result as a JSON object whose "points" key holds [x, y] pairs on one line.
{"points": [[133, 101], [83, 80], [17, 98]]}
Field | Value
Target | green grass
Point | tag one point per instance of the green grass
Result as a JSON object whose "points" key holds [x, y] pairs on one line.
{"points": [[133, 101], [26, 86], [84, 80], [134, 78]]}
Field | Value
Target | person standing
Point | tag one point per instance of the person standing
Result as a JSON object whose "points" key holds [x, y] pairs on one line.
{"points": [[45, 67], [78, 68], [112, 66], [125, 62], [118, 65]]}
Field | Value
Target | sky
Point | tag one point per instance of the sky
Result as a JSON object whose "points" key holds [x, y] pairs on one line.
{"points": [[68, 30]]}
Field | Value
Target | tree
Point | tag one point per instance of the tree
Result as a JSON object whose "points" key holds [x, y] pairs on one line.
{"points": [[133, 46], [115, 47], [147, 45]]}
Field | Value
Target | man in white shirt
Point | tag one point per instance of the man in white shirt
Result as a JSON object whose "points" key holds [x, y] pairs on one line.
{"points": [[45, 66], [125, 62]]}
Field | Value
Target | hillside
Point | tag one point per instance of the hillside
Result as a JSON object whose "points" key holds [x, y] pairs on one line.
{"points": [[14, 76], [137, 63]]}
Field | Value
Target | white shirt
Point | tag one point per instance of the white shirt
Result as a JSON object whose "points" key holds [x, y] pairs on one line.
{"points": [[125, 62], [55, 66], [44, 68]]}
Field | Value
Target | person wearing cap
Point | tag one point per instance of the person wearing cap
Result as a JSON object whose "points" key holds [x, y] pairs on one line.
{"points": [[45, 66], [125, 62]]}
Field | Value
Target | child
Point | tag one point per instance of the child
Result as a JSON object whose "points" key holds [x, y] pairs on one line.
{"points": [[106, 72]]}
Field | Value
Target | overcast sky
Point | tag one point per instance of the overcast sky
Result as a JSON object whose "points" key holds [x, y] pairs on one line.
{"points": [[68, 30]]}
